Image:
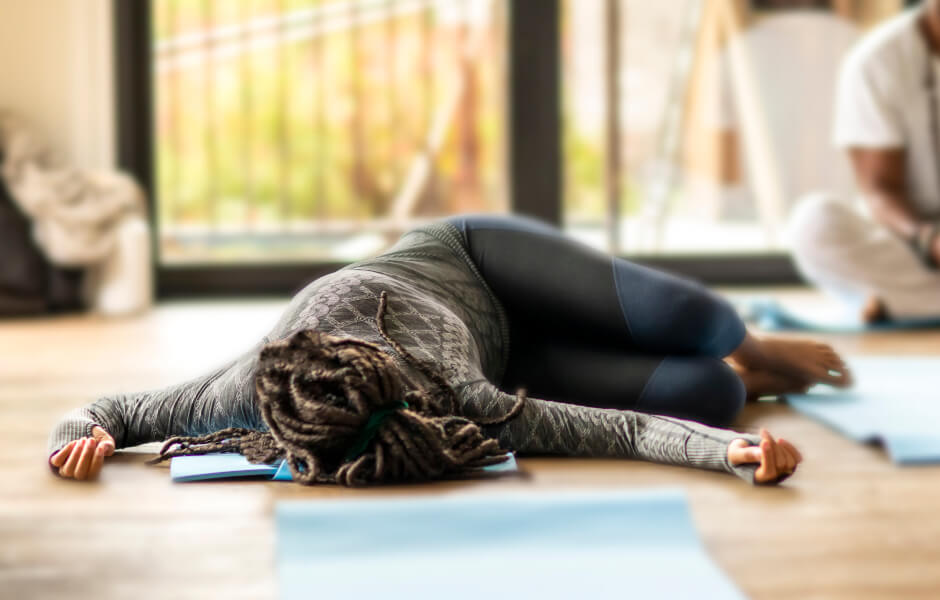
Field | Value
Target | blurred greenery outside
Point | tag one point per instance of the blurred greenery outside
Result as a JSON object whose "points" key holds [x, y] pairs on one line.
{"points": [[295, 145], [312, 131]]}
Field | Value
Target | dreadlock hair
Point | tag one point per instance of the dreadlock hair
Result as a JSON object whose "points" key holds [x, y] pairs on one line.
{"points": [[321, 396]]}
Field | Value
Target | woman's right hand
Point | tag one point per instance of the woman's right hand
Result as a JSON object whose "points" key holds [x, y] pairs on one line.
{"points": [[776, 458], [82, 459]]}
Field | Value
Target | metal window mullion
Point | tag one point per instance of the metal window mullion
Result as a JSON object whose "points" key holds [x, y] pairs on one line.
{"points": [[211, 148], [247, 116], [391, 92], [429, 81], [284, 150], [133, 72], [176, 138], [319, 117], [358, 109], [466, 155], [612, 128], [534, 72]]}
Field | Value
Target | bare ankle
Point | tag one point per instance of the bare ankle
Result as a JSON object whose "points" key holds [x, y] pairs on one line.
{"points": [[749, 353]]}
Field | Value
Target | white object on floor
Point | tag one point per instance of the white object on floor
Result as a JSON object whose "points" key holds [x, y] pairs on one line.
{"points": [[75, 213], [122, 283]]}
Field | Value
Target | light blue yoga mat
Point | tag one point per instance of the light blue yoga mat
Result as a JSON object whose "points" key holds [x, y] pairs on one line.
{"points": [[235, 466], [895, 401], [545, 545], [770, 315]]}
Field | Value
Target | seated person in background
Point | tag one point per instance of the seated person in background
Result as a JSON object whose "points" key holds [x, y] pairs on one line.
{"points": [[397, 368], [883, 257]]}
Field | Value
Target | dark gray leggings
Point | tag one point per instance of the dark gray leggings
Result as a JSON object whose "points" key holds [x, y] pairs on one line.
{"points": [[591, 329]]}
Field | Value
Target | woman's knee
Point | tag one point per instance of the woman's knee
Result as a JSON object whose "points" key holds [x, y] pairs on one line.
{"points": [[699, 388], [717, 325], [675, 315]]}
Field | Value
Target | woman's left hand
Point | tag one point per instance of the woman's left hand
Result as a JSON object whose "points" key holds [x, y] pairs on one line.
{"points": [[778, 458]]}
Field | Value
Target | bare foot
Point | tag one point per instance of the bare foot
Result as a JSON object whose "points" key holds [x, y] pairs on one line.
{"points": [[760, 383], [805, 360], [874, 310]]}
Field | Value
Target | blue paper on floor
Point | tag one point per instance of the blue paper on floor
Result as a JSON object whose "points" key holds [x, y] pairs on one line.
{"points": [[770, 315], [217, 466], [545, 545], [895, 401], [235, 466]]}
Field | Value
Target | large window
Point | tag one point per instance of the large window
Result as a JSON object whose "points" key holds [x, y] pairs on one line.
{"points": [[319, 130], [313, 132]]}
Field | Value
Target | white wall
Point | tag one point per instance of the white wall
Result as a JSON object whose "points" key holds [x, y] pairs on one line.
{"points": [[56, 69]]}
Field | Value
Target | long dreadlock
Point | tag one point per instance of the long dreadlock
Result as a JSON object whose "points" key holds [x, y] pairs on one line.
{"points": [[322, 396]]}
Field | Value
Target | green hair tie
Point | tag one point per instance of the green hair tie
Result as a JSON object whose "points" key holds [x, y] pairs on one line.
{"points": [[368, 432]]}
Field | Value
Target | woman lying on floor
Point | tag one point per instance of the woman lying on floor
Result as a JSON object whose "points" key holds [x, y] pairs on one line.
{"points": [[396, 369]]}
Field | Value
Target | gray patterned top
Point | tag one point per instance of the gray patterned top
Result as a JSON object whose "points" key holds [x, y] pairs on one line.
{"points": [[442, 311]]}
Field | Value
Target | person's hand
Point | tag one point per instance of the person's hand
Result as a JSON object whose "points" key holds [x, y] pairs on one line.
{"points": [[82, 459], [778, 458]]}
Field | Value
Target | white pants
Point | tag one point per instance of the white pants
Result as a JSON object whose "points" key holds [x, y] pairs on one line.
{"points": [[847, 254]]}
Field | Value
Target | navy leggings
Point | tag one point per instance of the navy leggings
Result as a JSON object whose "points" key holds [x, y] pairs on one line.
{"points": [[587, 328]]}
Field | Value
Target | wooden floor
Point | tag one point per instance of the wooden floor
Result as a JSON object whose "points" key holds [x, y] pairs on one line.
{"points": [[848, 525]]}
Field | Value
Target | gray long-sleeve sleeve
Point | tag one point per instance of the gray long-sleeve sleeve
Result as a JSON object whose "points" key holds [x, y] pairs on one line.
{"points": [[223, 398], [546, 427]]}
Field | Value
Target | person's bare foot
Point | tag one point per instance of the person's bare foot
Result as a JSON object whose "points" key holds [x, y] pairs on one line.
{"points": [[874, 310], [805, 360], [760, 383]]}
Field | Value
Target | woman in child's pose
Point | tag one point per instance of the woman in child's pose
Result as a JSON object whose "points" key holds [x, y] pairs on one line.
{"points": [[397, 368]]}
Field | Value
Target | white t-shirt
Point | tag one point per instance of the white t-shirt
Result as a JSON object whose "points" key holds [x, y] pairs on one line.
{"points": [[883, 102]]}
